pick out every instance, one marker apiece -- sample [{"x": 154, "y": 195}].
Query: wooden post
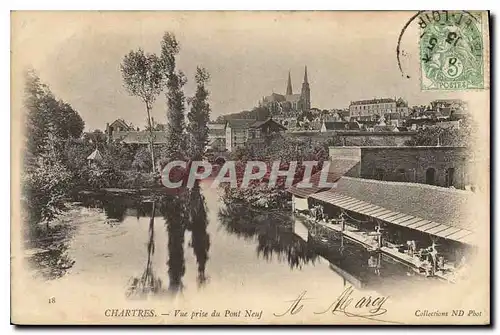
[{"x": 379, "y": 236}]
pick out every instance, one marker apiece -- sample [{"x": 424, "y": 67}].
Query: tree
[
  {"x": 433, "y": 136},
  {"x": 199, "y": 116},
  {"x": 141, "y": 161},
  {"x": 68, "y": 123},
  {"x": 96, "y": 138},
  {"x": 35, "y": 94},
  {"x": 143, "y": 78},
  {"x": 46, "y": 116},
  {"x": 175, "y": 80}
]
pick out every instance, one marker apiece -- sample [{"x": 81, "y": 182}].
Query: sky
[{"x": 349, "y": 56}]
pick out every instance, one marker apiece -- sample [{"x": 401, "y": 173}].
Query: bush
[
  {"x": 45, "y": 189},
  {"x": 100, "y": 177}
]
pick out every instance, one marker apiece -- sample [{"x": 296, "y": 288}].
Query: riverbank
[
  {"x": 46, "y": 250},
  {"x": 258, "y": 197}
]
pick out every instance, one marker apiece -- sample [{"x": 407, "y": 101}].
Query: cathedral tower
[
  {"x": 306, "y": 93},
  {"x": 289, "y": 85}
]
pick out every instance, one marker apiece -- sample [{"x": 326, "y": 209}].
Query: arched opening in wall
[
  {"x": 401, "y": 175},
  {"x": 450, "y": 177},
  {"x": 379, "y": 174},
  {"x": 430, "y": 176}
]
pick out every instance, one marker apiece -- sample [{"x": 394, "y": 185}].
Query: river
[{"x": 193, "y": 247}]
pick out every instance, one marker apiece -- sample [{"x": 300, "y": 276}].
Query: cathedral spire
[
  {"x": 305, "y": 94},
  {"x": 289, "y": 85}
]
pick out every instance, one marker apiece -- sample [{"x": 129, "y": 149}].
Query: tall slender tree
[
  {"x": 175, "y": 80},
  {"x": 199, "y": 116},
  {"x": 143, "y": 77}
]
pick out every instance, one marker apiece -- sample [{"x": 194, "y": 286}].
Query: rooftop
[
  {"x": 338, "y": 168},
  {"x": 240, "y": 123},
  {"x": 141, "y": 137},
  {"x": 443, "y": 205},
  {"x": 372, "y": 101}
]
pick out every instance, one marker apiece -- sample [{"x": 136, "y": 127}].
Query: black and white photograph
[{"x": 250, "y": 167}]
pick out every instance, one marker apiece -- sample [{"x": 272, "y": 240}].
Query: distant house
[
  {"x": 392, "y": 116},
  {"x": 373, "y": 107},
  {"x": 387, "y": 127},
  {"x": 141, "y": 137},
  {"x": 241, "y": 131},
  {"x": 121, "y": 132},
  {"x": 420, "y": 123},
  {"x": 216, "y": 136},
  {"x": 117, "y": 126}
]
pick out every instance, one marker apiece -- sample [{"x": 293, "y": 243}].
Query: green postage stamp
[{"x": 451, "y": 50}]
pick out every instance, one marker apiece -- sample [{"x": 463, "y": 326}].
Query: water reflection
[
  {"x": 365, "y": 269},
  {"x": 273, "y": 231},
  {"x": 173, "y": 219},
  {"x": 148, "y": 283},
  {"x": 200, "y": 239},
  {"x": 175, "y": 211},
  {"x": 181, "y": 212}
]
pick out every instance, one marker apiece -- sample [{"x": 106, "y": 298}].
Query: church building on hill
[{"x": 289, "y": 104}]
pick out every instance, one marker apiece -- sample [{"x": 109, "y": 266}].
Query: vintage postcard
[{"x": 273, "y": 168}]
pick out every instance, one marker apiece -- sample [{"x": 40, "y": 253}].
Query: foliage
[
  {"x": 199, "y": 116},
  {"x": 67, "y": 122},
  {"x": 74, "y": 156},
  {"x": 143, "y": 77},
  {"x": 280, "y": 148},
  {"x": 432, "y": 136},
  {"x": 96, "y": 138},
  {"x": 258, "y": 113},
  {"x": 52, "y": 126},
  {"x": 46, "y": 116},
  {"x": 176, "y": 142},
  {"x": 120, "y": 156},
  {"x": 101, "y": 176},
  {"x": 45, "y": 189},
  {"x": 141, "y": 160},
  {"x": 136, "y": 179}
]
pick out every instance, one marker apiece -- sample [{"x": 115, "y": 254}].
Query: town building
[
  {"x": 444, "y": 166},
  {"x": 375, "y": 108},
  {"x": 114, "y": 129},
  {"x": 240, "y": 132},
  {"x": 373, "y": 188},
  {"x": 120, "y": 131},
  {"x": 408, "y": 211},
  {"x": 216, "y": 136},
  {"x": 289, "y": 104},
  {"x": 290, "y": 122},
  {"x": 448, "y": 107}
]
